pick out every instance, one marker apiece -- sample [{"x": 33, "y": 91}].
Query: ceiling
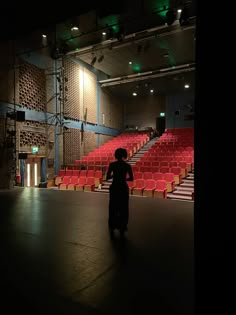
[
  {"x": 162, "y": 60},
  {"x": 162, "y": 54}
]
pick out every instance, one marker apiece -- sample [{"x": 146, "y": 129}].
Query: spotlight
[
  {"x": 93, "y": 61},
  {"x": 100, "y": 59}
]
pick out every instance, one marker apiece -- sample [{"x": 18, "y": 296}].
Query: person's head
[{"x": 120, "y": 154}]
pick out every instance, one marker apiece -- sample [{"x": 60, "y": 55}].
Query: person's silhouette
[{"x": 120, "y": 172}]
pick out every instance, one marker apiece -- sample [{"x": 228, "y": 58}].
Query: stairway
[
  {"x": 136, "y": 157},
  {"x": 184, "y": 191},
  {"x": 104, "y": 188}
]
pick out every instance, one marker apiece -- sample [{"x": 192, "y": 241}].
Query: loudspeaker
[
  {"x": 22, "y": 156},
  {"x": 20, "y": 116}
]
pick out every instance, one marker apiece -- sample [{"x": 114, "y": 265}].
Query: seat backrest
[
  {"x": 161, "y": 184},
  {"x": 83, "y": 173},
  {"x": 69, "y": 172},
  {"x": 147, "y": 175},
  {"x": 150, "y": 184},
  {"x": 139, "y": 183},
  {"x": 66, "y": 179},
  {"x": 138, "y": 175},
  {"x": 90, "y": 180},
  {"x": 98, "y": 174},
  {"x": 90, "y": 173},
  {"x": 82, "y": 180},
  {"x": 74, "y": 179},
  {"x": 158, "y": 175},
  {"x": 176, "y": 170},
  {"x": 61, "y": 173},
  {"x": 75, "y": 173},
  {"x": 169, "y": 177},
  {"x": 164, "y": 169}
]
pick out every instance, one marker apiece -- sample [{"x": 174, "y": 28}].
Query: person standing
[{"x": 119, "y": 172}]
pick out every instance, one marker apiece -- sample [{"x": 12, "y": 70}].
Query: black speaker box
[
  {"x": 22, "y": 156},
  {"x": 20, "y": 115}
]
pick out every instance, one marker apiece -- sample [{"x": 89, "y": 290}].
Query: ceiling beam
[
  {"x": 148, "y": 75},
  {"x": 156, "y": 32}
]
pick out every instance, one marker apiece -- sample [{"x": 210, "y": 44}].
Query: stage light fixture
[
  {"x": 93, "y": 61},
  {"x": 100, "y": 59}
]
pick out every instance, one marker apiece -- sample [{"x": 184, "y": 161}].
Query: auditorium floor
[{"x": 57, "y": 257}]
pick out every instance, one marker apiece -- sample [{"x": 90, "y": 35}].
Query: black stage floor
[{"x": 57, "y": 256}]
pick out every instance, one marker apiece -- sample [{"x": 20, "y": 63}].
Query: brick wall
[
  {"x": 89, "y": 142},
  {"x": 32, "y": 87},
  {"x": 111, "y": 109},
  {"x": 72, "y": 146}
]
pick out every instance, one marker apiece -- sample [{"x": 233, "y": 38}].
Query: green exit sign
[
  {"x": 35, "y": 150},
  {"x": 162, "y": 114}
]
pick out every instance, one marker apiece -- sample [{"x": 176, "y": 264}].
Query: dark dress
[{"x": 119, "y": 194}]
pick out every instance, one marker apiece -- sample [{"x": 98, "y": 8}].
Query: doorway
[
  {"x": 160, "y": 125},
  {"x": 32, "y": 172}
]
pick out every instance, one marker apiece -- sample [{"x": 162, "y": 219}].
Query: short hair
[{"x": 121, "y": 153}]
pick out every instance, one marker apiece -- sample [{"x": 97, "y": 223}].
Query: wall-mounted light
[{"x": 74, "y": 28}]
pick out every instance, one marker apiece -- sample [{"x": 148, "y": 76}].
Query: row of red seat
[
  {"x": 149, "y": 188},
  {"x": 79, "y": 183}
]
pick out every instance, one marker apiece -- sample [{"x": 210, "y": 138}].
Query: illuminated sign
[{"x": 35, "y": 150}]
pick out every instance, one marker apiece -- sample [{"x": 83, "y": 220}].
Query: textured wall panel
[
  {"x": 104, "y": 139},
  {"x": 112, "y": 109},
  {"x": 90, "y": 99},
  {"x": 72, "y": 105},
  {"x": 72, "y": 146},
  {"x": 89, "y": 142},
  {"x": 31, "y": 133},
  {"x": 32, "y": 87}
]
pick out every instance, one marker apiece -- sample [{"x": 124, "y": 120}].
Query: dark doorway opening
[{"x": 160, "y": 125}]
